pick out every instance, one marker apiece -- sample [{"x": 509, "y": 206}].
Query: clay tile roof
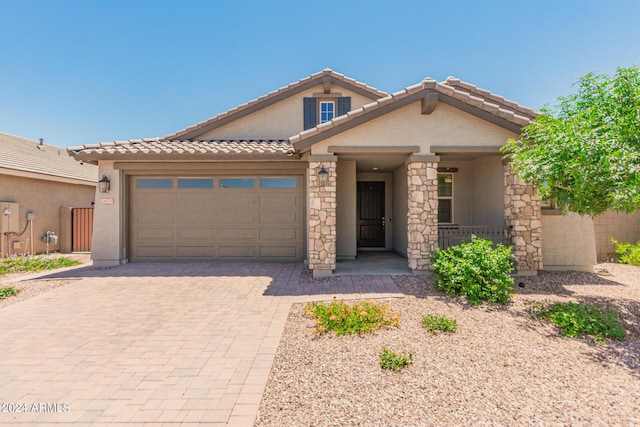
[
  {"x": 164, "y": 147},
  {"x": 265, "y": 100},
  {"x": 21, "y": 154},
  {"x": 452, "y": 87}
]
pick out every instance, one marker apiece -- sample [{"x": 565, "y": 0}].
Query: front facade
[{"x": 321, "y": 169}]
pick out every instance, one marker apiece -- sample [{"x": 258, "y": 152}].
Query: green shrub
[
  {"x": 434, "y": 323},
  {"x": 363, "y": 317},
  {"x": 476, "y": 270},
  {"x": 16, "y": 264},
  {"x": 8, "y": 292},
  {"x": 395, "y": 361},
  {"x": 627, "y": 253},
  {"x": 574, "y": 319}
]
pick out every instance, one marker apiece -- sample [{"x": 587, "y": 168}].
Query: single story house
[
  {"x": 324, "y": 167},
  {"x": 43, "y": 190}
]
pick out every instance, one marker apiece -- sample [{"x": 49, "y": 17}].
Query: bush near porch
[{"x": 476, "y": 270}]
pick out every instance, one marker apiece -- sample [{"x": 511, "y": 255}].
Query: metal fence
[{"x": 451, "y": 235}]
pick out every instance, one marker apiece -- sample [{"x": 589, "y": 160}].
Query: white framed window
[
  {"x": 327, "y": 111},
  {"x": 445, "y": 198}
]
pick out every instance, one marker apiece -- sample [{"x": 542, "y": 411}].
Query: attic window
[{"x": 327, "y": 111}]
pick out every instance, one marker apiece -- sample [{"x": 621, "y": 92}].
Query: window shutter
[
  {"x": 344, "y": 105},
  {"x": 310, "y": 112}
]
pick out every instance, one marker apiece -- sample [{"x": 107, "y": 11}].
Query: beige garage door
[{"x": 218, "y": 217}]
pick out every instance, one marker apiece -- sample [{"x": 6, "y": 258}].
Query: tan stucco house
[
  {"x": 326, "y": 166},
  {"x": 42, "y": 190}
]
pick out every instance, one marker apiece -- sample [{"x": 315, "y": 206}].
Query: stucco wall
[
  {"x": 44, "y": 198},
  {"x": 400, "y": 206},
  {"x": 346, "y": 244},
  {"x": 462, "y": 191},
  {"x": 407, "y": 126},
  {"x": 623, "y": 227},
  {"x": 568, "y": 242},
  {"x": 280, "y": 120},
  {"x": 108, "y": 220},
  {"x": 488, "y": 191}
]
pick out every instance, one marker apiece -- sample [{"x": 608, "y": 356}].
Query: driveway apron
[{"x": 149, "y": 344}]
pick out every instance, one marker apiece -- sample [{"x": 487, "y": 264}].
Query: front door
[{"x": 370, "y": 214}]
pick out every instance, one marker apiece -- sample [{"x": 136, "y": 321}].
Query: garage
[{"x": 249, "y": 218}]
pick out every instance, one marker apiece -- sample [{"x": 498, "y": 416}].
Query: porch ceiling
[{"x": 375, "y": 162}]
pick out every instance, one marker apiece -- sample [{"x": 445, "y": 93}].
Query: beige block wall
[
  {"x": 568, "y": 242},
  {"x": 280, "y": 120},
  {"x": 407, "y": 126},
  {"x": 108, "y": 221},
  {"x": 346, "y": 244},
  {"x": 44, "y": 198},
  {"x": 400, "y": 206},
  {"x": 623, "y": 227}
]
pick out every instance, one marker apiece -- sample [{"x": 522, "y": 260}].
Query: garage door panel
[
  {"x": 278, "y": 234},
  {"x": 278, "y": 201},
  {"x": 278, "y": 251},
  {"x": 154, "y": 234},
  {"x": 239, "y": 217},
  {"x": 195, "y": 233},
  {"x": 195, "y": 251},
  {"x": 237, "y": 233},
  {"x": 155, "y": 251},
  {"x": 191, "y": 218},
  {"x": 237, "y": 252},
  {"x": 179, "y": 223}
]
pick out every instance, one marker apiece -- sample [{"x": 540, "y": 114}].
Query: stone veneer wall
[
  {"x": 523, "y": 215},
  {"x": 322, "y": 219},
  {"x": 422, "y": 213}
]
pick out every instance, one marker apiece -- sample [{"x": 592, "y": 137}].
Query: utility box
[{"x": 9, "y": 217}]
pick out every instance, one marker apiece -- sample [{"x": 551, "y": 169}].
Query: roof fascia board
[
  {"x": 358, "y": 120},
  {"x": 44, "y": 177},
  {"x": 498, "y": 121},
  {"x": 465, "y": 149},
  {"x": 174, "y": 167},
  {"x": 370, "y": 149}
]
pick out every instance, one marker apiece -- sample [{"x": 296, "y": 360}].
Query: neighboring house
[
  {"x": 39, "y": 186},
  {"x": 326, "y": 166}
]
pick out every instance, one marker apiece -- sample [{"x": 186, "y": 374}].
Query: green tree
[{"x": 584, "y": 153}]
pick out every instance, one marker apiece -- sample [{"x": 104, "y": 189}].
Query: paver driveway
[{"x": 152, "y": 343}]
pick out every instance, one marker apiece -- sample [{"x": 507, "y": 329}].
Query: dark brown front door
[{"x": 370, "y": 214}]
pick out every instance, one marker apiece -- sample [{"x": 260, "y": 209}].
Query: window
[
  {"x": 278, "y": 182},
  {"x": 237, "y": 182},
  {"x": 327, "y": 111},
  {"x": 445, "y": 198},
  {"x": 195, "y": 182},
  {"x": 329, "y": 108},
  {"x": 154, "y": 183}
]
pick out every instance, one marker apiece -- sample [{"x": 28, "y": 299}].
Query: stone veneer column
[
  {"x": 322, "y": 219},
  {"x": 422, "y": 213},
  {"x": 523, "y": 217}
]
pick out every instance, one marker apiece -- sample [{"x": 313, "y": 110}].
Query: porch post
[
  {"x": 523, "y": 218},
  {"x": 322, "y": 216},
  {"x": 422, "y": 212}
]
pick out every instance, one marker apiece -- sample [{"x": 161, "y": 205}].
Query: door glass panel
[
  {"x": 237, "y": 182},
  {"x": 278, "y": 182},
  {"x": 195, "y": 182},
  {"x": 154, "y": 183}
]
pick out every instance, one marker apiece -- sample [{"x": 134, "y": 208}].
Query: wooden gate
[{"x": 81, "y": 229}]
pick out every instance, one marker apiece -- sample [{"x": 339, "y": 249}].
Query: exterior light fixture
[
  {"x": 323, "y": 176},
  {"x": 104, "y": 185}
]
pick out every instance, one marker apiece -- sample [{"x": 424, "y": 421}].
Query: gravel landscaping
[{"x": 500, "y": 367}]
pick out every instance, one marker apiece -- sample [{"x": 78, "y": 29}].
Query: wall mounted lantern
[
  {"x": 104, "y": 185},
  {"x": 323, "y": 176}
]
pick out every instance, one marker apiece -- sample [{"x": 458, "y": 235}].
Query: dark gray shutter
[
  {"x": 344, "y": 105},
  {"x": 310, "y": 112}
]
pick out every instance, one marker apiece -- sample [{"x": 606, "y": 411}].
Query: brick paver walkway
[{"x": 150, "y": 344}]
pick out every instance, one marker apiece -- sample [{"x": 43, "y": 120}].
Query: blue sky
[{"x": 80, "y": 72}]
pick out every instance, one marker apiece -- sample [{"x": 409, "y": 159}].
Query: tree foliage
[{"x": 584, "y": 154}]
